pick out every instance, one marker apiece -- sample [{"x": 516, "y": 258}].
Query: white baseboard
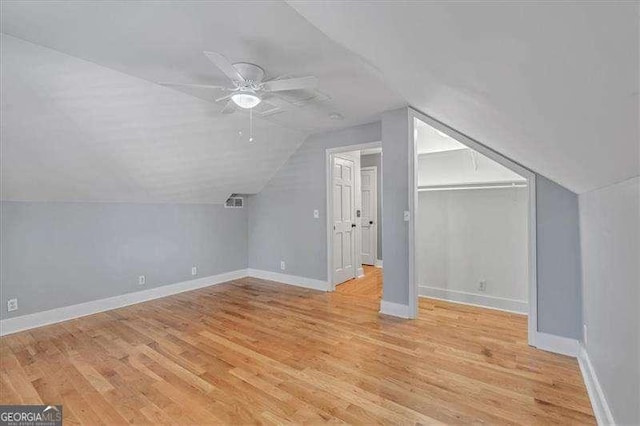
[
  {"x": 557, "y": 344},
  {"x": 394, "y": 309},
  {"x": 378, "y": 263},
  {"x": 596, "y": 395},
  {"x": 289, "y": 279},
  {"x": 503, "y": 304},
  {"x": 39, "y": 319},
  {"x": 65, "y": 313}
]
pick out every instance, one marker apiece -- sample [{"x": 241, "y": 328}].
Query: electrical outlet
[
  {"x": 12, "y": 305},
  {"x": 282, "y": 265},
  {"x": 194, "y": 270},
  {"x": 316, "y": 214},
  {"x": 142, "y": 280},
  {"x": 482, "y": 286}
]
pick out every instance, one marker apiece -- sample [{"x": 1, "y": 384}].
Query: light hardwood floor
[
  {"x": 368, "y": 287},
  {"x": 254, "y": 351}
]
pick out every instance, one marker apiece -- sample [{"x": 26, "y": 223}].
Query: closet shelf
[{"x": 489, "y": 185}]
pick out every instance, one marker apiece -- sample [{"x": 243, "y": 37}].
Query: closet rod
[{"x": 473, "y": 186}]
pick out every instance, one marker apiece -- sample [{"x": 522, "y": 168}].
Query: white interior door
[
  {"x": 369, "y": 185},
  {"x": 344, "y": 222}
]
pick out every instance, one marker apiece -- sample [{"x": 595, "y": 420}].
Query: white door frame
[
  {"x": 328, "y": 155},
  {"x": 375, "y": 212},
  {"x": 413, "y": 208}
]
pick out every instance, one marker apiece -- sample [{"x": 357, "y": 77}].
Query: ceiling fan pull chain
[{"x": 251, "y": 125}]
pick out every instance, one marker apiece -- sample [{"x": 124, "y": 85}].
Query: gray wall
[
  {"x": 281, "y": 222},
  {"x": 370, "y": 160},
  {"x": 395, "y": 193},
  {"x": 558, "y": 256},
  {"x": 56, "y": 254},
  {"x": 465, "y": 236},
  {"x": 282, "y": 227},
  {"x": 610, "y": 234},
  {"x": 60, "y": 254}
]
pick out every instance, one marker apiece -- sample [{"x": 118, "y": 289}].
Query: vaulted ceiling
[
  {"x": 84, "y": 118},
  {"x": 552, "y": 85}
]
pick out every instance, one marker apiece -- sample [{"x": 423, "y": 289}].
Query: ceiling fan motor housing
[{"x": 252, "y": 73}]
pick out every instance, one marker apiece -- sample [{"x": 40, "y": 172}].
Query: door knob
[
  {"x": 370, "y": 222},
  {"x": 353, "y": 225}
]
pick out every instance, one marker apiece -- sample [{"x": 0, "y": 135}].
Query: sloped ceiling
[
  {"x": 76, "y": 131},
  {"x": 552, "y": 85},
  {"x": 83, "y": 118},
  {"x": 430, "y": 140}
]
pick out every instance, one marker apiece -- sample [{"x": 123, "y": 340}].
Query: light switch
[
  {"x": 316, "y": 214},
  {"x": 407, "y": 215}
]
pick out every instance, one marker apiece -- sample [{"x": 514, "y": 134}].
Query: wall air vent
[{"x": 234, "y": 202}]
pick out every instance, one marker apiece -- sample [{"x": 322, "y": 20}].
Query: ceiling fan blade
[
  {"x": 308, "y": 82},
  {"x": 224, "y": 97},
  {"x": 277, "y": 105},
  {"x": 228, "y": 108},
  {"x": 224, "y": 65},
  {"x": 194, "y": 85}
]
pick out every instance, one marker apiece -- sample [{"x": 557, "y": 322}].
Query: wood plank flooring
[
  {"x": 368, "y": 287},
  {"x": 254, "y": 351}
]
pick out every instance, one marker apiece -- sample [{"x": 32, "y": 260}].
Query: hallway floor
[{"x": 368, "y": 287}]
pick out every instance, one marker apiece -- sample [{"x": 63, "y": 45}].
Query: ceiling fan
[{"x": 248, "y": 88}]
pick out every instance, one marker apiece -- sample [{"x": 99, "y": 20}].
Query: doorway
[
  {"x": 369, "y": 191},
  {"x": 473, "y": 237},
  {"x": 353, "y": 176}
]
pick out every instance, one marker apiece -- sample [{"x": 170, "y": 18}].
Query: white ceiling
[
  {"x": 430, "y": 140},
  {"x": 84, "y": 120},
  {"x": 552, "y": 85},
  {"x": 462, "y": 166},
  {"x": 75, "y": 131},
  {"x": 445, "y": 161},
  {"x": 163, "y": 41}
]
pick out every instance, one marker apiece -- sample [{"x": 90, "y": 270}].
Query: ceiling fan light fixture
[{"x": 246, "y": 99}]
